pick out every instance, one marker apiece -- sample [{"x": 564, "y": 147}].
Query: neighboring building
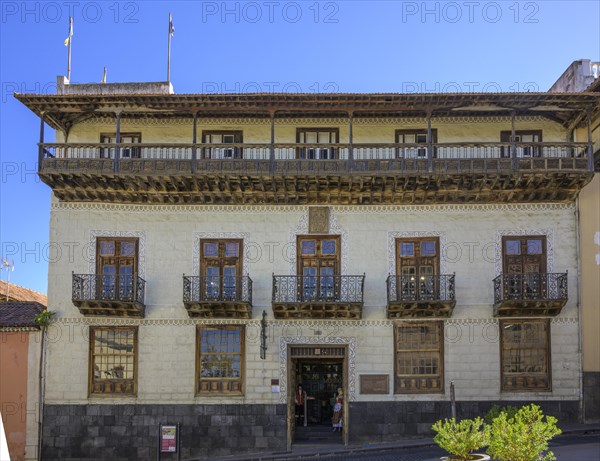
[
  {"x": 584, "y": 75},
  {"x": 20, "y": 349},
  {"x": 397, "y": 243}
]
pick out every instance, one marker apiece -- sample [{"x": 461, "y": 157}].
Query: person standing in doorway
[
  {"x": 336, "y": 419},
  {"x": 299, "y": 399}
]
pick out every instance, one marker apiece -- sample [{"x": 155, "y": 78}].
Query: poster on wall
[{"x": 168, "y": 438}]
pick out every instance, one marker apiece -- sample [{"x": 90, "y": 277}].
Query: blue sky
[{"x": 308, "y": 46}]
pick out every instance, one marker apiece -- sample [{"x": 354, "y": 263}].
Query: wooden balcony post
[
  {"x": 117, "y": 142},
  {"x": 513, "y": 141},
  {"x": 350, "y": 141},
  {"x": 41, "y": 147},
  {"x": 194, "y": 141},
  {"x": 272, "y": 146},
  {"x": 590, "y": 148},
  {"x": 429, "y": 142}
]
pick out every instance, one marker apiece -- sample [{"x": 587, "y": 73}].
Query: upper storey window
[
  {"x": 126, "y": 151},
  {"x": 228, "y": 138},
  {"x": 318, "y": 138},
  {"x": 416, "y": 143}
]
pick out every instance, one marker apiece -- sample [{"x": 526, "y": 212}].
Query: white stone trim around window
[
  {"x": 549, "y": 233},
  {"x": 244, "y": 236},
  {"x": 141, "y": 236},
  {"x": 392, "y": 236}
]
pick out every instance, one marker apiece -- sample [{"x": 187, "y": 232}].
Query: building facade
[{"x": 225, "y": 248}]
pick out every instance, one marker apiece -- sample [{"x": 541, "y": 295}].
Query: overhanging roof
[{"x": 63, "y": 111}]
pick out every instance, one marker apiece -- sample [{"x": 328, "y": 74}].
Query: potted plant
[
  {"x": 523, "y": 437},
  {"x": 461, "y": 438}
]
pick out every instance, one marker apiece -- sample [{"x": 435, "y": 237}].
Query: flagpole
[
  {"x": 69, "y": 47},
  {"x": 169, "y": 50}
]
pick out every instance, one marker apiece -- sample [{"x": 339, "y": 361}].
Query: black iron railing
[
  {"x": 326, "y": 288},
  {"x": 108, "y": 288},
  {"x": 530, "y": 286},
  {"x": 217, "y": 289},
  {"x": 420, "y": 288}
]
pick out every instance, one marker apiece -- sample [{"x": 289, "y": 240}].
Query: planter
[{"x": 473, "y": 457}]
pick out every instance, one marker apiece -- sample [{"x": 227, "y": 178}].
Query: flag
[
  {"x": 171, "y": 26},
  {"x": 68, "y": 39}
]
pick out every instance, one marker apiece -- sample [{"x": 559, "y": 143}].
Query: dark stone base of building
[
  {"x": 130, "y": 432},
  {"x": 591, "y": 396},
  {"x": 385, "y": 421}
]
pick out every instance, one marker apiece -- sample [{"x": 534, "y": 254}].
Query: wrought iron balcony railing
[
  {"x": 211, "y": 289},
  {"x": 530, "y": 287},
  {"x": 98, "y": 291},
  {"x": 420, "y": 288},
  {"x": 334, "y": 289}
]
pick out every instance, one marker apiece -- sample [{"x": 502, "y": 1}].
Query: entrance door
[{"x": 320, "y": 379}]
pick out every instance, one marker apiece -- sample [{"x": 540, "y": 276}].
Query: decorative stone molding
[
  {"x": 343, "y": 341},
  {"x": 141, "y": 236},
  {"x": 361, "y": 209},
  {"x": 392, "y": 236},
  {"x": 245, "y": 236},
  {"x": 549, "y": 233},
  {"x": 302, "y": 229}
]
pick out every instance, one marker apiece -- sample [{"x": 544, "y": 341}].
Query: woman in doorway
[
  {"x": 299, "y": 398},
  {"x": 336, "y": 419}
]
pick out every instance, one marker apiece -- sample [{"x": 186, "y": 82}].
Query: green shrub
[
  {"x": 461, "y": 438},
  {"x": 523, "y": 437},
  {"x": 495, "y": 412}
]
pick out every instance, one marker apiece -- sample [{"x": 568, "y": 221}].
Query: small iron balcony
[
  {"x": 420, "y": 296},
  {"x": 218, "y": 297},
  {"x": 109, "y": 295}
]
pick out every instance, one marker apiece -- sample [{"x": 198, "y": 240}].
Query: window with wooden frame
[
  {"x": 418, "y": 267},
  {"x": 419, "y": 357},
  {"x": 525, "y": 355},
  {"x": 116, "y": 268},
  {"x": 126, "y": 150},
  {"x": 417, "y": 143},
  {"x": 228, "y": 151},
  {"x": 220, "y": 359},
  {"x": 320, "y": 137},
  {"x": 220, "y": 269},
  {"x": 524, "y": 266},
  {"x": 113, "y": 361},
  {"x": 318, "y": 267},
  {"x": 522, "y": 136}
]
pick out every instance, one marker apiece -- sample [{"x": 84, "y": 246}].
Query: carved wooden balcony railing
[
  {"x": 530, "y": 294},
  {"x": 316, "y": 173},
  {"x": 420, "y": 296},
  {"x": 218, "y": 297},
  {"x": 109, "y": 295},
  {"x": 318, "y": 297}
]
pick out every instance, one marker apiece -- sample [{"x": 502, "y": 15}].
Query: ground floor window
[
  {"x": 220, "y": 359},
  {"x": 113, "y": 360},
  {"x": 525, "y": 355},
  {"x": 418, "y": 357}
]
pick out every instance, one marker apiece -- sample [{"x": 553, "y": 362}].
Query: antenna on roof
[
  {"x": 104, "y": 76},
  {"x": 10, "y": 267}
]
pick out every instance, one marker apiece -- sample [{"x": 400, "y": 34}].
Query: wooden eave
[{"x": 62, "y": 111}]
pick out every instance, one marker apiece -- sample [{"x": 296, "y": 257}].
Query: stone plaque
[
  {"x": 318, "y": 220},
  {"x": 374, "y": 384}
]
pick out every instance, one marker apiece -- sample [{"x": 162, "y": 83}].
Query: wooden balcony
[
  {"x": 531, "y": 294},
  {"x": 316, "y": 173},
  {"x": 217, "y": 298},
  {"x": 320, "y": 297},
  {"x": 109, "y": 295},
  {"x": 423, "y": 296}
]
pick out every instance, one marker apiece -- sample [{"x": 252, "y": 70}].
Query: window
[
  {"x": 318, "y": 267},
  {"x": 116, "y": 268},
  {"x": 319, "y": 138},
  {"x": 113, "y": 360},
  {"x": 525, "y": 355},
  {"x": 524, "y": 266},
  {"x": 229, "y": 138},
  {"x": 417, "y": 268},
  {"x": 528, "y": 136},
  {"x": 417, "y": 143},
  {"x": 126, "y": 151},
  {"x": 419, "y": 357},
  {"x": 220, "y": 360},
  {"x": 221, "y": 269}
]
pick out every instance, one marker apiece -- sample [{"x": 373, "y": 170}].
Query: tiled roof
[
  {"x": 18, "y": 293},
  {"x": 19, "y": 314}
]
